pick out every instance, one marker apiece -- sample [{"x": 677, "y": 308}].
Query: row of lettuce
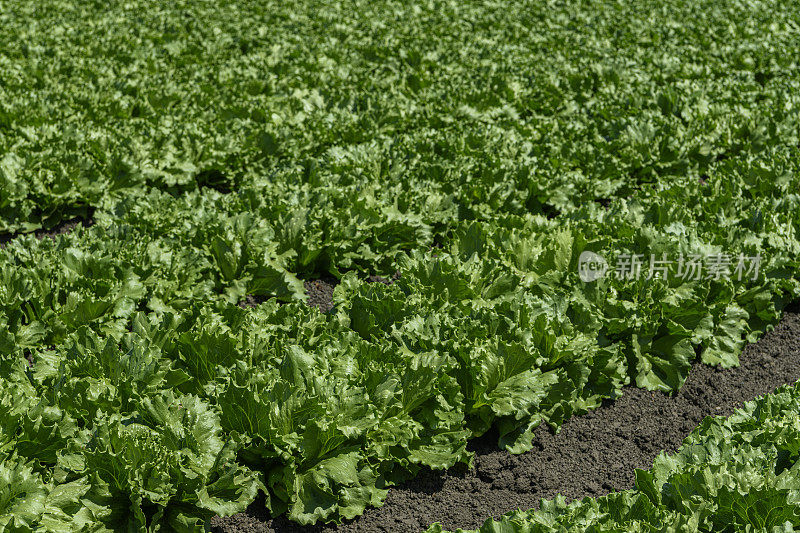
[
  {"x": 139, "y": 396},
  {"x": 478, "y": 108},
  {"x": 740, "y": 473}
]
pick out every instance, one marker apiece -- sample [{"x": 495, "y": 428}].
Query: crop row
[{"x": 478, "y": 108}]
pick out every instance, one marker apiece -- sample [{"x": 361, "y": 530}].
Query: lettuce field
[{"x": 286, "y": 266}]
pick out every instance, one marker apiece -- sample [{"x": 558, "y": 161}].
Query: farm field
[{"x": 351, "y": 266}]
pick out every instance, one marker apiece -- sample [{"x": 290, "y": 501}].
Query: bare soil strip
[
  {"x": 60, "y": 229},
  {"x": 592, "y": 455}
]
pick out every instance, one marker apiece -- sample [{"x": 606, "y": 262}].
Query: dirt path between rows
[
  {"x": 61, "y": 228},
  {"x": 592, "y": 455}
]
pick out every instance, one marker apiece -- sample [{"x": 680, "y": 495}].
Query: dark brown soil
[
  {"x": 385, "y": 281},
  {"x": 64, "y": 228},
  {"x": 251, "y": 301},
  {"x": 61, "y": 229},
  {"x": 592, "y": 455},
  {"x": 320, "y": 293}
]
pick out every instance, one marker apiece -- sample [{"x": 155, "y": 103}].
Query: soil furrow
[{"x": 62, "y": 228}]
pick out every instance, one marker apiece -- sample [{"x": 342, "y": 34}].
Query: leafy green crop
[
  {"x": 445, "y": 109},
  {"x": 739, "y": 473},
  {"x": 233, "y": 149},
  {"x": 326, "y": 411}
]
